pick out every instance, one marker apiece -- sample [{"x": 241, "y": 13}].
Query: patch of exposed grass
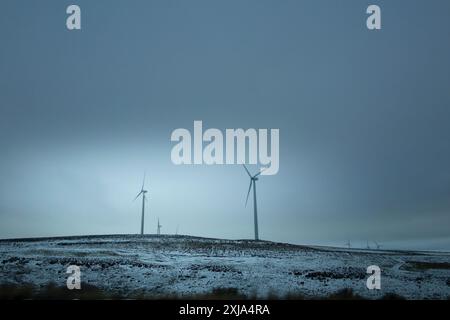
[
  {"x": 89, "y": 292},
  {"x": 221, "y": 294},
  {"x": 52, "y": 292},
  {"x": 14, "y": 292},
  {"x": 422, "y": 266},
  {"x": 392, "y": 296},
  {"x": 345, "y": 294}
]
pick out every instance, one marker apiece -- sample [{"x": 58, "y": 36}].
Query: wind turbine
[
  {"x": 348, "y": 244},
  {"x": 143, "y": 192},
  {"x": 253, "y": 180},
  {"x": 367, "y": 247},
  {"x": 159, "y": 228},
  {"x": 377, "y": 244}
]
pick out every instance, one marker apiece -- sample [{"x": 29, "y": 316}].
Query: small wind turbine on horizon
[
  {"x": 253, "y": 180},
  {"x": 377, "y": 245},
  {"x": 158, "y": 231},
  {"x": 348, "y": 244},
  {"x": 142, "y": 192}
]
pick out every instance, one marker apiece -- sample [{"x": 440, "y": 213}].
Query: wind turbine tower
[
  {"x": 253, "y": 180},
  {"x": 142, "y": 192},
  {"x": 159, "y": 228}
]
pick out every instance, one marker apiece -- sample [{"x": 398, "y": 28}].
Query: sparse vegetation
[
  {"x": 392, "y": 296},
  {"x": 89, "y": 292},
  {"x": 342, "y": 273},
  {"x": 422, "y": 266},
  {"x": 345, "y": 294},
  {"x": 52, "y": 292}
]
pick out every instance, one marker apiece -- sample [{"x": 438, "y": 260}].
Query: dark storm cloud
[{"x": 363, "y": 117}]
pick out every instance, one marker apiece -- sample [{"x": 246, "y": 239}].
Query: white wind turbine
[
  {"x": 143, "y": 192},
  {"x": 253, "y": 180}
]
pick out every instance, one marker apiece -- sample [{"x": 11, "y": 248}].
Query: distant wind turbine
[
  {"x": 377, "y": 245},
  {"x": 367, "y": 247},
  {"x": 159, "y": 228},
  {"x": 253, "y": 180},
  {"x": 143, "y": 192},
  {"x": 348, "y": 244}
]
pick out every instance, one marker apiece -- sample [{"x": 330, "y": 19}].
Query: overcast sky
[{"x": 363, "y": 118}]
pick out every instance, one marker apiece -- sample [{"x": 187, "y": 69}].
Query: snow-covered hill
[{"x": 161, "y": 266}]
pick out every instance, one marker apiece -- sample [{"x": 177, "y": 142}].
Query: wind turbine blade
[
  {"x": 248, "y": 172},
  {"x": 248, "y": 193},
  {"x": 143, "y": 182},
  {"x": 137, "y": 196}
]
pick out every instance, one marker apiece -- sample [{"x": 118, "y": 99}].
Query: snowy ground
[{"x": 186, "y": 266}]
